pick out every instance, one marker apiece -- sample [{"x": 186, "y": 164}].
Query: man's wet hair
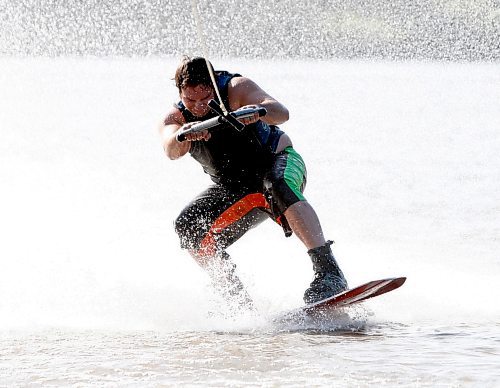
[{"x": 192, "y": 72}]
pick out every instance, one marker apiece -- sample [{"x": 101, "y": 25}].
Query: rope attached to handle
[{"x": 203, "y": 44}]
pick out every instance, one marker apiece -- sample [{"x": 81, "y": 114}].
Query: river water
[{"x": 403, "y": 169}]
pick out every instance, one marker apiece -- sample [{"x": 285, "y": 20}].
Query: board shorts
[{"x": 220, "y": 215}]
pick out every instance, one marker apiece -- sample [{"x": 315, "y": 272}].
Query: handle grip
[
  {"x": 244, "y": 113},
  {"x": 181, "y": 136},
  {"x": 232, "y": 120}
]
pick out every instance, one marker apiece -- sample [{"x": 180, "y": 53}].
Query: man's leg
[
  {"x": 305, "y": 224},
  {"x": 209, "y": 224},
  {"x": 287, "y": 181}
]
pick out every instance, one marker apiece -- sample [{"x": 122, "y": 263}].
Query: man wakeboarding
[{"x": 256, "y": 173}]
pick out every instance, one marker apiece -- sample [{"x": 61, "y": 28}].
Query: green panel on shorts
[{"x": 295, "y": 171}]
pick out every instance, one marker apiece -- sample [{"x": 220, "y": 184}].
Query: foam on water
[{"x": 403, "y": 170}]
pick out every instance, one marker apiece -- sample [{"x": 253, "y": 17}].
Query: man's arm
[
  {"x": 168, "y": 128},
  {"x": 244, "y": 92}
]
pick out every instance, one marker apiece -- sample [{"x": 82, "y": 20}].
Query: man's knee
[
  {"x": 283, "y": 192},
  {"x": 287, "y": 179}
]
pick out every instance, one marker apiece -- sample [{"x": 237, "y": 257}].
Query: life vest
[{"x": 233, "y": 157}]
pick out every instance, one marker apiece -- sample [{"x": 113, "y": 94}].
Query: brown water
[{"x": 388, "y": 354}]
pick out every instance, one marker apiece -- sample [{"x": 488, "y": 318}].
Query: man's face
[{"x": 196, "y": 99}]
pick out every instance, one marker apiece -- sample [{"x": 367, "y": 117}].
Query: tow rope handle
[{"x": 231, "y": 118}]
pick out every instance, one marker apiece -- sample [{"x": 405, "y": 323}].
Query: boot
[
  {"x": 328, "y": 278},
  {"x": 228, "y": 284}
]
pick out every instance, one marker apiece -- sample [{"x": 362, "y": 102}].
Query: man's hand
[{"x": 195, "y": 136}]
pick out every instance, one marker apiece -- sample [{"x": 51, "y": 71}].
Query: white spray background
[{"x": 403, "y": 162}]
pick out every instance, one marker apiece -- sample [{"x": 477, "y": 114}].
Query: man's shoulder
[
  {"x": 239, "y": 85},
  {"x": 174, "y": 115},
  {"x": 242, "y": 85},
  {"x": 241, "y": 81}
]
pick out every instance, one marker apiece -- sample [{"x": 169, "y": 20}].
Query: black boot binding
[{"x": 328, "y": 278}]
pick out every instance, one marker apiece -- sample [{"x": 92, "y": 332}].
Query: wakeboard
[{"x": 347, "y": 298}]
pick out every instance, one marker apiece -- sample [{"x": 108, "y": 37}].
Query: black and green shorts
[{"x": 220, "y": 215}]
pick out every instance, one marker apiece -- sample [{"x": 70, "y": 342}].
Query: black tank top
[{"x": 231, "y": 157}]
